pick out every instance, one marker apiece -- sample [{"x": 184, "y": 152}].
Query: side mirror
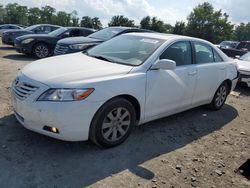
[{"x": 165, "y": 64}]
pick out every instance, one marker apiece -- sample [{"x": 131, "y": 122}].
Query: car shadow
[
  {"x": 19, "y": 57},
  {"x": 43, "y": 161},
  {"x": 7, "y": 48}
]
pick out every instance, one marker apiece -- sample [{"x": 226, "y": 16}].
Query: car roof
[
  {"x": 164, "y": 36},
  {"x": 85, "y": 28}
]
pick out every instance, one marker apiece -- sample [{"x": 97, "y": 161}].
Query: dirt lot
[{"x": 197, "y": 148}]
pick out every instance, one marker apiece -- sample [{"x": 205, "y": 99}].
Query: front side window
[
  {"x": 126, "y": 49},
  {"x": 179, "y": 52},
  {"x": 204, "y": 53}
]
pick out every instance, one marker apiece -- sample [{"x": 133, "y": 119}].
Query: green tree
[
  {"x": 34, "y": 16},
  {"x": 121, "y": 20},
  {"x": 75, "y": 19},
  {"x": 204, "y": 22},
  {"x": 242, "y": 32},
  {"x": 62, "y": 18},
  {"x": 2, "y": 14},
  {"x": 86, "y": 22},
  {"x": 96, "y": 23},
  {"x": 179, "y": 28},
  {"x": 155, "y": 25},
  {"x": 48, "y": 14},
  {"x": 11, "y": 13}
]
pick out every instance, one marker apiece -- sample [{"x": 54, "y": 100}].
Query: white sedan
[
  {"x": 129, "y": 80},
  {"x": 244, "y": 69}
]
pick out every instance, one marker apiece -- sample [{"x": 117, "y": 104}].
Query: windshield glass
[
  {"x": 245, "y": 57},
  {"x": 30, "y": 28},
  {"x": 58, "y": 32},
  {"x": 106, "y": 34},
  {"x": 126, "y": 49}
]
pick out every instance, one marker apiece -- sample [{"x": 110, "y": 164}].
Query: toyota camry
[{"x": 132, "y": 79}]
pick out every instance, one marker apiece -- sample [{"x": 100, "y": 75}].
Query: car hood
[
  {"x": 243, "y": 65},
  {"x": 78, "y": 40},
  {"x": 68, "y": 70},
  {"x": 35, "y": 36}
]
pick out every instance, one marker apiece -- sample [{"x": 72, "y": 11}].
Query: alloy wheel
[
  {"x": 116, "y": 124},
  {"x": 41, "y": 51},
  {"x": 221, "y": 96}
]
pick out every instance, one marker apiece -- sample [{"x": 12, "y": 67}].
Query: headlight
[
  {"x": 80, "y": 46},
  {"x": 65, "y": 94},
  {"x": 26, "y": 41}
]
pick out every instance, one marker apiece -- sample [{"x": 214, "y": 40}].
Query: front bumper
[
  {"x": 245, "y": 78},
  {"x": 22, "y": 48},
  {"x": 72, "y": 119},
  {"x": 7, "y": 39}
]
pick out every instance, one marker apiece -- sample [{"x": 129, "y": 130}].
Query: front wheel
[
  {"x": 220, "y": 97},
  {"x": 113, "y": 123},
  {"x": 41, "y": 51}
]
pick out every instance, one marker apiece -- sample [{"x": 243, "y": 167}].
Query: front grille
[
  {"x": 23, "y": 90},
  {"x": 61, "y": 49}
]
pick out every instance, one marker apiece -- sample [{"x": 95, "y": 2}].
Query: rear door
[{"x": 211, "y": 72}]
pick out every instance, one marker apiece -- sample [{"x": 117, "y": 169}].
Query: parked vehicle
[
  {"x": 42, "y": 45},
  {"x": 242, "y": 48},
  {"x": 228, "y": 44},
  {"x": 8, "y": 37},
  {"x": 77, "y": 44},
  {"x": 244, "y": 69},
  {"x": 6, "y": 27},
  {"x": 126, "y": 81}
]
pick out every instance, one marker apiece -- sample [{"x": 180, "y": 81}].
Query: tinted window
[
  {"x": 179, "y": 52},
  {"x": 74, "y": 33},
  {"x": 204, "y": 53}
]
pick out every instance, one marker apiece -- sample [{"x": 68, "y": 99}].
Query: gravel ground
[{"x": 196, "y": 148}]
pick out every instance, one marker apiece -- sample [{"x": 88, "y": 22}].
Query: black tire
[
  {"x": 41, "y": 50},
  {"x": 98, "y": 130},
  {"x": 220, "y": 97}
]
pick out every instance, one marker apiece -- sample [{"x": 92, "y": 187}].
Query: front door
[{"x": 169, "y": 91}]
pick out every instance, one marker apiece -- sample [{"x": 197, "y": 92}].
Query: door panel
[
  {"x": 210, "y": 73},
  {"x": 168, "y": 91}
]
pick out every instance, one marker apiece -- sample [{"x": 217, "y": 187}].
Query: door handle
[
  {"x": 192, "y": 73},
  {"x": 223, "y": 68}
]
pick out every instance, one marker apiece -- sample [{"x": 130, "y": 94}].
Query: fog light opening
[{"x": 51, "y": 129}]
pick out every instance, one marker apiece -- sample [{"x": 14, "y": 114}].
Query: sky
[{"x": 169, "y": 11}]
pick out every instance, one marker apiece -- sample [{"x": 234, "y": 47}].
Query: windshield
[
  {"x": 245, "y": 57},
  {"x": 126, "y": 49},
  {"x": 106, "y": 34},
  {"x": 58, "y": 32},
  {"x": 30, "y": 28}
]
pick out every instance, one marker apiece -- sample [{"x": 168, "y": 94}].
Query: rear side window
[
  {"x": 204, "y": 53},
  {"x": 217, "y": 57},
  {"x": 180, "y": 52}
]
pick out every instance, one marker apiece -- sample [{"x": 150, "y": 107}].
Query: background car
[
  {"x": 242, "y": 48},
  {"x": 42, "y": 45},
  {"x": 244, "y": 69},
  {"x": 228, "y": 44},
  {"x": 8, "y": 37},
  {"x": 129, "y": 80},
  {"x": 6, "y": 27},
  {"x": 78, "y": 44}
]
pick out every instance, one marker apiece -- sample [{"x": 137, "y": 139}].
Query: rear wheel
[
  {"x": 113, "y": 123},
  {"x": 41, "y": 50},
  {"x": 220, "y": 97}
]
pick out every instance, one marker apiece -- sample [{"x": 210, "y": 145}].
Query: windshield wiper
[{"x": 102, "y": 58}]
